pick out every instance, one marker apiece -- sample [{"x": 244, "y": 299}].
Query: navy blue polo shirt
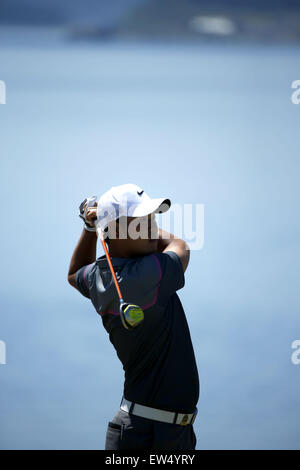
[{"x": 157, "y": 356}]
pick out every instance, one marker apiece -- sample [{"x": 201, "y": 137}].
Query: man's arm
[
  {"x": 84, "y": 253},
  {"x": 168, "y": 242}
]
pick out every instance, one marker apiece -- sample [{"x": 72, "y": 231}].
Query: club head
[{"x": 131, "y": 315}]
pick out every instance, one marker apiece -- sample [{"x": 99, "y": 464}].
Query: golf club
[{"x": 131, "y": 315}]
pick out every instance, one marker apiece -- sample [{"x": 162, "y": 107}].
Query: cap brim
[{"x": 157, "y": 206}]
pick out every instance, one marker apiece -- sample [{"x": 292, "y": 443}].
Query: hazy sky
[{"x": 211, "y": 125}]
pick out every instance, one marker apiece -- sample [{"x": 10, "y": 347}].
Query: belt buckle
[{"x": 184, "y": 420}]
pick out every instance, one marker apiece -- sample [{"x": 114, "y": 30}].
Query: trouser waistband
[{"x": 156, "y": 414}]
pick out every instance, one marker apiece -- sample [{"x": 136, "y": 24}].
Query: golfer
[{"x": 161, "y": 386}]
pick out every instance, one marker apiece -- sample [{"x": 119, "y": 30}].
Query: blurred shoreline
[
  {"x": 163, "y": 21},
  {"x": 215, "y": 20},
  {"x": 51, "y": 36}
]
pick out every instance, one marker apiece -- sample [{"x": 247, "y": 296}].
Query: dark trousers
[{"x": 128, "y": 431}]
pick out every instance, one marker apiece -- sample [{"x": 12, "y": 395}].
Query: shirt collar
[{"x": 103, "y": 263}]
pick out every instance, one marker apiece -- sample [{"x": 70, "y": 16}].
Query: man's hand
[
  {"x": 88, "y": 212},
  {"x": 91, "y": 215},
  {"x": 86, "y": 249}
]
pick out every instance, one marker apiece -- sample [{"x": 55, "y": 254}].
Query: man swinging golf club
[{"x": 133, "y": 288}]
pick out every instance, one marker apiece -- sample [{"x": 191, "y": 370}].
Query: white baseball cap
[{"x": 127, "y": 200}]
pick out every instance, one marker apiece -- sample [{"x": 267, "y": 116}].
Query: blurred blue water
[{"x": 207, "y": 124}]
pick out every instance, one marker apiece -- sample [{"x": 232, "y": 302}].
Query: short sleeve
[
  {"x": 81, "y": 280},
  {"x": 153, "y": 278},
  {"x": 156, "y": 278},
  {"x": 171, "y": 272}
]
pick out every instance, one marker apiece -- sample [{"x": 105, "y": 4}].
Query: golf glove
[{"x": 82, "y": 212}]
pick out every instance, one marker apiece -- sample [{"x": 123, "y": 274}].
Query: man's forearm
[
  {"x": 85, "y": 251},
  {"x": 165, "y": 239}
]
